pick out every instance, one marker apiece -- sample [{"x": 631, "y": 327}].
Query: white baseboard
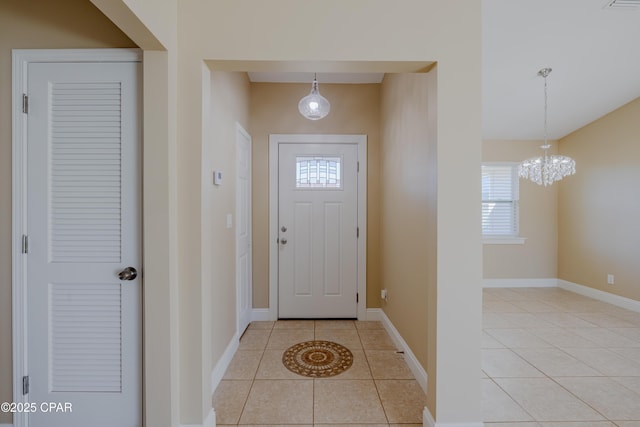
[
  {"x": 417, "y": 369},
  {"x": 617, "y": 300},
  {"x": 427, "y": 421},
  {"x": 374, "y": 314},
  {"x": 260, "y": 314},
  {"x": 6, "y": 425},
  {"x": 221, "y": 367},
  {"x": 412, "y": 362},
  {"x": 519, "y": 283},
  {"x": 210, "y": 421}
]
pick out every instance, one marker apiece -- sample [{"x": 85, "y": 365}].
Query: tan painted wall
[
  {"x": 230, "y": 104},
  {"x": 408, "y": 207},
  {"x": 151, "y": 23},
  {"x": 355, "y": 109},
  {"x": 418, "y": 31},
  {"x": 599, "y": 206},
  {"x": 225, "y": 35},
  {"x": 35, "y": 24},
  {"x": 537, "y": 257},
  {"x": 207, "y": 295}
]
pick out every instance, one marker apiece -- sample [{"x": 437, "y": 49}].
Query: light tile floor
[
  {"x": 378, "y": 390},
  {"x": 553, "y": 358},
  {"x": 550, "y": 358}
]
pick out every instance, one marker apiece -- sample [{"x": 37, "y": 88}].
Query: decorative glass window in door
[{"x": 319, "y": 172}]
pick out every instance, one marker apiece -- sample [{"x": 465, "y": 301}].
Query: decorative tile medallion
[{"x": 317, "y": 359}]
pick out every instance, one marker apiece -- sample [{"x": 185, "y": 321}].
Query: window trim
[{"x": 494, "y": 240}]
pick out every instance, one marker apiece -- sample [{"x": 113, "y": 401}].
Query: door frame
[
  {"x": 21, "y": 60},
  {"x": 274, "y": 142},
  {"x": 242, "y": 133}
]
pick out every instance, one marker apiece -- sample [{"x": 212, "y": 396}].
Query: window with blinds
[{"x": 500, "y": 200}]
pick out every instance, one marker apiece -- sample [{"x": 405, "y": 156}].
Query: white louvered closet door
[{"x": 83, "y": 220}]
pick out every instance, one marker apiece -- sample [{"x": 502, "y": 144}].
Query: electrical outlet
[
  {"x": 383, "y": 294},
  {"x": 610, "y": 279}
]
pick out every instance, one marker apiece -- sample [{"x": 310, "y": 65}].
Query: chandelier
[
  {"x": 314, "y": 106},
  {"x": 546, "y": 169}
]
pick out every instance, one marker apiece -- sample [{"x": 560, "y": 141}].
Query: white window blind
[{"x": 500, "y": 200}]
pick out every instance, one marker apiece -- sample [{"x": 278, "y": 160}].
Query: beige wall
[
  {"x": 419, "y": 31},
  {"x": 537, "y": 257},
  {"x": 599, "y": 206},
  {"x": 151, "y": 23},
  {"x": 408, "y": 207},
  {"x": 355, "y": 109},
  {"x": 207, "y": 289},
  {"x": 229, "y": 105},
  {"x": 29, "y": 25},
  {"x": 223, "y": 34}
]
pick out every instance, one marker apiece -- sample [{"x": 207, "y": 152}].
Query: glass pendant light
[
  {"x": 546, "y": 169},
  {"x": 314, "y": 106}
]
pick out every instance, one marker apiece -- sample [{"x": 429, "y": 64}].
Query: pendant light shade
[
  {"x": 314, "y": 106},
  {"x": 548, "y": 168}
]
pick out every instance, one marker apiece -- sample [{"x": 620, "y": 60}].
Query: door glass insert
[{"x": 324, "y": 172}]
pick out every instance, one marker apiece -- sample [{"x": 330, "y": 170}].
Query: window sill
[{"x": 503, "y": 240}]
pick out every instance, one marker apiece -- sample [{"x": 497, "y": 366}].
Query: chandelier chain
[{"x": 546, "y": 97}]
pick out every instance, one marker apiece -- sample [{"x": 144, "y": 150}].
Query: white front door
[
  {"x": 317, "y": 228},
  {"x": 84, "y": 225},
  {"x": 243, "y": 228}
]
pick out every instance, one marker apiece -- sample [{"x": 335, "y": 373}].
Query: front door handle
[{"x": 128, "y": 273}]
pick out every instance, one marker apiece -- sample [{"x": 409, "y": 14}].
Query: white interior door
[
  {"x": 84, "y": 226},
  {"x": 318, "y": 226},
  {"x": 243, "y": 228}
]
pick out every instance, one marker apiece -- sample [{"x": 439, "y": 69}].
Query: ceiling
[{"x": 594, "y": 52}]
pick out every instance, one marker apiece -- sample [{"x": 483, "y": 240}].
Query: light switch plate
[{"x": 217, "y": 177}]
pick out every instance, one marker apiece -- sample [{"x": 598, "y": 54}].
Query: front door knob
[{"x": 128, "y": 273}]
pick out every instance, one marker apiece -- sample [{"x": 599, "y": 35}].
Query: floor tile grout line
[
  {"x": 580, "y": 399},
  {"x": 553, "y": 379},
  {"x": 384, "y": 411},
  {"x": 514, "y": 401},
  {"x": 313, "y": 389},
  {"x": 255, "y": 374}
]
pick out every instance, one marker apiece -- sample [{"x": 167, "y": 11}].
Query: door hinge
[
  {"x": 357, "y": 297},
  {"x": 25, "y": 103},
  {"x": 25, "y": 385},
  {"x": 357, "y": 232},
  {"x": 25, "y": 244},
  {"x": 357, "y": 166}
]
